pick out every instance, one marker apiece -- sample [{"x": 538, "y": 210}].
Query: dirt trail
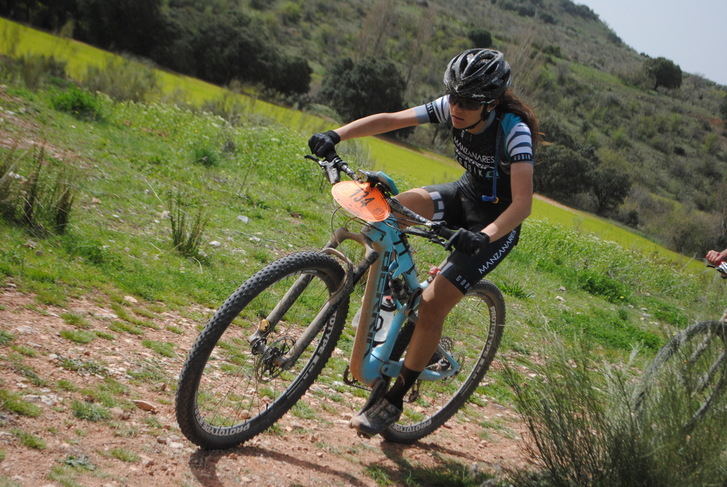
[{"x": 139, "y": 447}]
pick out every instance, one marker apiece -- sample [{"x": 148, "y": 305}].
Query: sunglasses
[{"x": 465, "y": 103}]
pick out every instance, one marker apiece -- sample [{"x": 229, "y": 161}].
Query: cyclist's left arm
[
  {"x": 715, "y": 257},
  {"x": 521, "y": 184}
]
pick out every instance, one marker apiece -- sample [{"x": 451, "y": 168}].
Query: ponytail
[{"x": 509, "y": 102}]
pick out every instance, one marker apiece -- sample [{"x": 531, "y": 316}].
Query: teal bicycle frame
[{"x": 388, "y": 256}]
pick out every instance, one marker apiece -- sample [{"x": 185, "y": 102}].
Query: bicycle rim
[
  {"x": 688, "y": 375},
  {"x": 471, "y": 333},
  {"x": 231, "y": 390}
]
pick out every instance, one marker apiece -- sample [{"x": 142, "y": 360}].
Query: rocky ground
[{"x": 134, "y": 439}]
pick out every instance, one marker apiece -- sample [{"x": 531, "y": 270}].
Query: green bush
[
  {"x": 44, "y": 201},
  {"x": 187, "y": 230},
  {"x": 585, "y": 429},
  {"x": 205, "y": 155},
  {"x": 89, "y": 411},
  {"x": 122, "y": 79},
  {"x": 78, "y": 102}
]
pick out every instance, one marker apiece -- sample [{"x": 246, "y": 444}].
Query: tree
[
  {"x": 723, "y": 107},
  {"x": 358, "y": 89},
  {"x": 563, "y": 172},
  {"x": 610, "y": 187},
  {"x": 664, "y": 73},
  {"x": 480, "y": 37}
]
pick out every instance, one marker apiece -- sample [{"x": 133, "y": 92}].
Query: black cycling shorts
[{"x": 455, "y": 208}]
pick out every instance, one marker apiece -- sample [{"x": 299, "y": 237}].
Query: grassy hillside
[{"x": 411, "y": 165}]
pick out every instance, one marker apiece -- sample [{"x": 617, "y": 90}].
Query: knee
[{"x": 432, "y": 310}]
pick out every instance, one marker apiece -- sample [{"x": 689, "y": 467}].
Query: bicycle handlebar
[
  {"x": 332, "y": 164},
  {"x": 720, "y": 267}
]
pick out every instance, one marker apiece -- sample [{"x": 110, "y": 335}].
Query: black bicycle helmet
[{"x": 481, "y": 74}]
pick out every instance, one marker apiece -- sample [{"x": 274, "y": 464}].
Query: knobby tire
[
  {"x": 475, "y": 328},
  {"x": 241, "y": 383}
]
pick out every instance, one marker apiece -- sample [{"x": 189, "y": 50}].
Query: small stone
[
  {"x": 243, "y": 218},
  {"x": 560, "y": 298},
  {"x": 175, "y": 445},
  {"x": 145, "y": 406},
  {"x": 131, "y": 299},
  {"x": 104, "y": 314},
  {"x": 215, "y": 243}
]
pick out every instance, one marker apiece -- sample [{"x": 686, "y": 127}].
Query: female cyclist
[{"x": 492, "y": 132}]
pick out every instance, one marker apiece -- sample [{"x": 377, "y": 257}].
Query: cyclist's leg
[
  {"x": 418, "y": 200},
  {"x": 458, "y": 274},
  {"x": 437, "y": 301}
]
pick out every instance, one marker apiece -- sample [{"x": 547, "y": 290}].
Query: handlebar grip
[{"x": 445, "y": 232}]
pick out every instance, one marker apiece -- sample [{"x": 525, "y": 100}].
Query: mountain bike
[
  {"x": 693, "y": 366},
  {"x": 267, "y": 344}
]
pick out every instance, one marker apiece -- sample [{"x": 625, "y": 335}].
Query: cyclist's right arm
[{"x": 378, "y": 123}]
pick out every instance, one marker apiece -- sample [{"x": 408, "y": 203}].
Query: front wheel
[
  {"x": 238, "y": 378},
  {"x": 689, "y": 374},
  {"x": 471, "y": 334}
]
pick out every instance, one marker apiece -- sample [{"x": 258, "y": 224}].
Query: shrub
[
  {"x": 186, "y": 232},
  {"x": 89, "y": 411},
  {"x": 122, "y": 79},
  {"x": 79, "y": 103},
  {"x": 586, "y": 430},
  {"x": 480, "y": 37},
  {"x": 664, "y": 72},
  {"x": 43, "y": 202},
  {"x": 723, "y": 107},
  {"x": 35, "y": 69},
  {"x": 357, "y": 89},
  {"x": 205, "y": 155}
]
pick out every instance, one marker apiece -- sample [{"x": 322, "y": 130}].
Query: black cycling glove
[
  {"x": 322, "y": 144},
  {"x": 468, "y": 242}
]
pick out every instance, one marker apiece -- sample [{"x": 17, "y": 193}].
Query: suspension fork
[{"x": 353, "y": 275}]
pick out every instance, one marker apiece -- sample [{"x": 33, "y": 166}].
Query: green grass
[
  {"x": 78, "y": 336},
  {"x": 76, "y": 320},
  {"x": 5, "y": 337},
  {"x": 29, "y": 440},
  {"x": 124, "y": 455},
  {"x": 89, "y": 411},
  {"x": 12, "y": 402},
  {"x": 165, "y": 349}
]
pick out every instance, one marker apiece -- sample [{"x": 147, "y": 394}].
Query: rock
[
  {"x": 131, "y": 299},
  {"x": 175, "y": 445},
  {"x": 243, "y": 218},
  {"x": 145, "y": 406},
  {"x": 105, "y": 314},
  {"x": 215, "y": 244},
  {"x": 560, "y": 298}
]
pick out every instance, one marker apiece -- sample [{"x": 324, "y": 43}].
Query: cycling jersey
[
  {"x": 460, "y": 203},
  {"x": 477, "y": 152}
]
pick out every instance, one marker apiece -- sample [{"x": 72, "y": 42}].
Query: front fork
[{"x": 258, "y": 340}]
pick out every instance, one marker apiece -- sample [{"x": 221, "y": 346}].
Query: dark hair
[{"x": 509, "y": 102}]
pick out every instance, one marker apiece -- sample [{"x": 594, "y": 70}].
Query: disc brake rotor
[{"x": 266, "y": 364}]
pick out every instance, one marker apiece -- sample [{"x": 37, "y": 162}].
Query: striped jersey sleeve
[
  {"x": 436, "y": 111},
  {"x": 518, "y": 139}
]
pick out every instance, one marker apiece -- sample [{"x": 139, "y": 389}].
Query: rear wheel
[
  {"x": 236, "y": 381},
  {"x": 471, "y": 333}
]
